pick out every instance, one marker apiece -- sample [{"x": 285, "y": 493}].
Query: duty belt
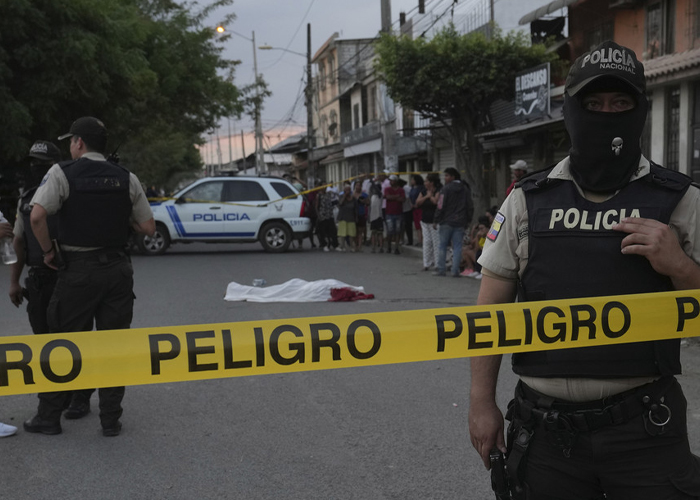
[
  {"x": 103, "y": 255},
  {"x": 41, "y": 271},
  {"x": 589, "y": 416}
]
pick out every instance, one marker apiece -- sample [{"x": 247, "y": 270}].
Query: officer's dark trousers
[
  {"x": 92, "y": 290},
  {"x": 623, "y": 461},
  {"x": 39, "y": 285}
]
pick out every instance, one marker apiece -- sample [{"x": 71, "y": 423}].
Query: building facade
[{"x": 665, "y": 35}]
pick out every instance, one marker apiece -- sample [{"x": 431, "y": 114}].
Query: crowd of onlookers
[{"x": 384, "y": 213}]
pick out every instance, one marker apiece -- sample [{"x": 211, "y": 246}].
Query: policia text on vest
[{"x": 72, "y": 361}]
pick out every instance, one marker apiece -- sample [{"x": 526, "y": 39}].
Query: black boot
[{"x": 40, "y": 426}]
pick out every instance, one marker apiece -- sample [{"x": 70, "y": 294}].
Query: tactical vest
[
  {"x": 33, "y": 251},
  {"x": 573, "y": 252},
  {"x": 97, "y": 211}
]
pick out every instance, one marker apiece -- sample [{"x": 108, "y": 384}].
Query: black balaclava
[
  {"x": 37, "y": 171},
  {"x": 605, "y": 147}
]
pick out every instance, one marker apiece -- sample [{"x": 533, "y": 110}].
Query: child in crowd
[{"x": 376, "y": 223}]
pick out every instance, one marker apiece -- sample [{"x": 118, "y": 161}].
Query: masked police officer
[
  {"x": 95, "y": 203},
  {"x": 41, "y": 278},
  {"x": 599, "y": 422}
]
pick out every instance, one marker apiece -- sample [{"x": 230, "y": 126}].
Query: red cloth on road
[{"x": 348, "y": 294}]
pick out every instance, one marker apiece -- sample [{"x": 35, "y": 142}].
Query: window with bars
[
  {"x": 600, "y": 33},
  {"x": 673, "y": 112},
  {"x": 331, "y": 75},
  {"x": 660, "y": 28},
  {"x": 322, "y": 74},
  {"x": 372, "y": 104}
]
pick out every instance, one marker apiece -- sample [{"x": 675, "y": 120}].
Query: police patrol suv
[{"x": 230, "y": 210}]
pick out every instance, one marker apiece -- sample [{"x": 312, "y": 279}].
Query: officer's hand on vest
[{"x": 658, "y": 243}]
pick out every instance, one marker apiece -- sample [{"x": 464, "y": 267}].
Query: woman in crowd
[
  {"x": 427, "y": 203},
  {"x": 417, "y": 186}
]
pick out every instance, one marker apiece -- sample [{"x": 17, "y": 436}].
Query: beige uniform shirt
[
  {"x": 54, "y": 191},
  {"x": 506, "y": 258}
]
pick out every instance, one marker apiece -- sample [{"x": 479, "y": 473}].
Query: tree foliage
[
  {"x": 454, "y": 79},
  {"x": 150, "y": 69},
  {"x": 253, "y": 96}
]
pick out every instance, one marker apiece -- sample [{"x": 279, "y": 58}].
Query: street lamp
[
  {"x": 269, "y": 47},
  {"x": 309, "y": 95}
]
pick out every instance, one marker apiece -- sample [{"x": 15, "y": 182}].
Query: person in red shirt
[
  {"x": 394, "y": 196},
  {"x": 519, "y": 169}
]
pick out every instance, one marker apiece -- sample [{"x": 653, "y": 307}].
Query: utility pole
[
  {"x": 310, "y": 139},
  {"x": 245, "y": 160},
  {"x": 259, "y": 164},
  {"x": 391, "y": 160},
  {"x": 230, "y": 139},
  {"x": 218, "y": 148}
]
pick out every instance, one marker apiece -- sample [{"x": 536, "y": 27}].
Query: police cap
[
  {"x": 45, "y": 151},
  {"x": 609, "y": 61},
  {"x": 87, "y": 126}
]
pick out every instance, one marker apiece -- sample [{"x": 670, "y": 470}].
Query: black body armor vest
[
  {"x": 97, "y": 211},
  {"x": 573, "y": 252},
  {"x": 33, "y": 251}
]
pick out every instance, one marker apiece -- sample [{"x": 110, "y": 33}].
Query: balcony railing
[{"x": 362, "y": 134}]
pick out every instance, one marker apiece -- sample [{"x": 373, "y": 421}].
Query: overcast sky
[{"x": 282, "y": 24}]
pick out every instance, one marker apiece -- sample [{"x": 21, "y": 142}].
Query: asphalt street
[{"x": 384, "y": 432}]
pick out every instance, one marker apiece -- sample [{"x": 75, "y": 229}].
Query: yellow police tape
[{"x": 39, "y": 363}]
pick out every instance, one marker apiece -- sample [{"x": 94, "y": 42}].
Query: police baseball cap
[
  {"x": 46, "y": 151},
  {"x": 610, "y": 61},
  {"x": 86, "y": 126}
]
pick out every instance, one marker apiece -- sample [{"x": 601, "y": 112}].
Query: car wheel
[
  {"x": 156, "y": 244},
  {"x": 275, "y": 237}
]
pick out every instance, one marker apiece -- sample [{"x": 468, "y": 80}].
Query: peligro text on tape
[{"x": 51, "y": 362}]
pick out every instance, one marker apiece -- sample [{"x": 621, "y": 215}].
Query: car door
[
  {"x": 245, "y": 209},
  {"x": 198, "y": 213}
]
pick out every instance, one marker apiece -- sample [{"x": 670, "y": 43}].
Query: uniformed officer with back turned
[
  {"x": 606, "y": 421},
  {"x": 96, "y": 202},
  {"x": 41, "y": 279}
]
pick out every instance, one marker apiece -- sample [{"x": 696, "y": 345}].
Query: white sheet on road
[{"x": 294, "y": 290}]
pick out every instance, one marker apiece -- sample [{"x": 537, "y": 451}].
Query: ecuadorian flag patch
[{"x": 496, "y": 226}]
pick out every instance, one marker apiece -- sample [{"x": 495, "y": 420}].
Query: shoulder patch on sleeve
[{"x": 496, "y": 226}]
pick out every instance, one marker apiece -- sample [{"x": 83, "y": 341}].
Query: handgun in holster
[{"x": 499, "y": 476}]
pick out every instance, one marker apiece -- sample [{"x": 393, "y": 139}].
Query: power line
[{"x": 301, "y": 23}]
